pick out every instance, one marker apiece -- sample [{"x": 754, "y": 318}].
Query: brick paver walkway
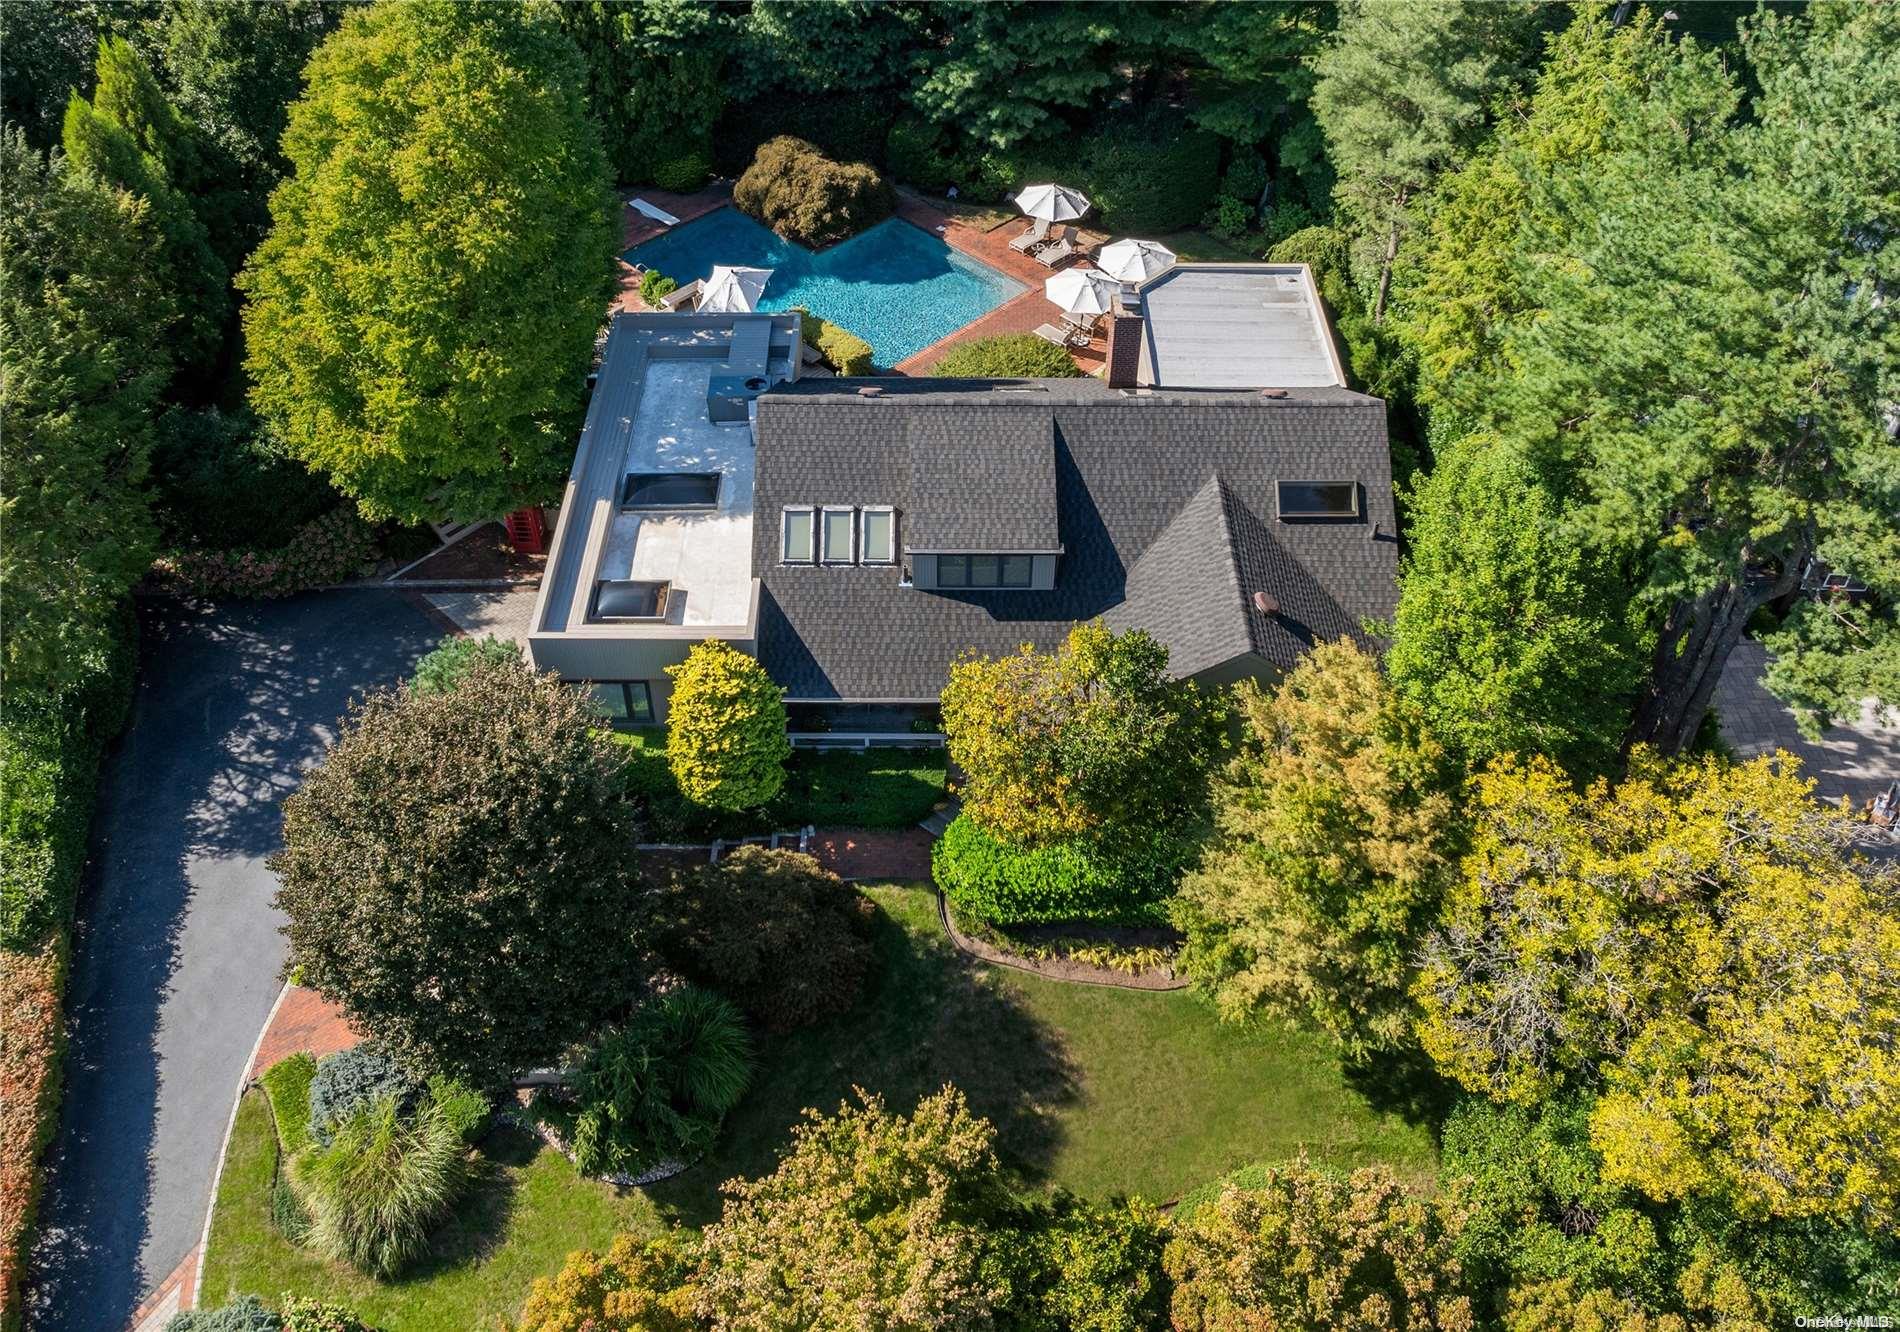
[
  {"x": 1855, "y": 759},
  {"x": 304, "y": 1020},
  {"x": 903, "y": 854}
]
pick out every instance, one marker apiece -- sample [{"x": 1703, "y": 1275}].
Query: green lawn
[
  {"x": 830, "y": 788},
  {"x": 1204, "y": 247},
  {"x": 528, "y": 1213},
  {"x": 1094, "y": 1089}
]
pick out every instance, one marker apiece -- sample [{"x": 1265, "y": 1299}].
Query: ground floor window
[{"x": 624, "y": 700}]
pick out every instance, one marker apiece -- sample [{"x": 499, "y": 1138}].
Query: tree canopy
[{"x": 423, "y": 312}]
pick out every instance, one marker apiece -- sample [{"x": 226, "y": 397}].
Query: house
[{"x": 1219, "y": 487}]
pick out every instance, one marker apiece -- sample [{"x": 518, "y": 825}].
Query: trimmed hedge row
[
  {"x": 1007, "y": 356},
  {"x": 843, "y": 350},
  {"x": 1111, "y": 882}
]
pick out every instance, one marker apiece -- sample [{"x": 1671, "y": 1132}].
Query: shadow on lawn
[
  {"x": 928, "y": 1019},
  {"x": 478, "y": 1225},
  {"x": 1407, "y": 1084}
]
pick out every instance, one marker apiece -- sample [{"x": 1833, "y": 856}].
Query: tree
[
  {"x": 637, "y": 1284},
  {"x": 813, "y": 47},
  {"x": 1712, "y": 361},
  {"x": 459, "y": 874},
  {"x": 786, "y": 938},
  {"x": 1334, "y": 844},
  {"x": 1401, "y": 95},
  {"x": 1254, "y": 77},
  {"x": 128, "y": 136},
  {"x": 46, "y": 50},
  {"x": 1309, "y": 1247},
  {"x": 82, "y": 325},
  {"x": 1008, "y": 356},
  {"x": 453, "y": 658},
  {"x": 1099, "y": 1266},
  {"x": 806, "y": 197},
  {"x": 654, "y": 76},
  {"x": 423, "y": 312},
  {"x": 1697, "y": 938},
  {"x": 1561, "y": 1306},
  {"x": 725, "y": 728},
  {"x": 886, "y": 1216},
  {"x": 1510, "y": 637},
  {"x": 1056, "y": 745}
]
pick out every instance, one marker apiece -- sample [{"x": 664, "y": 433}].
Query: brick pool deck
[{"x": 1020, "y": 314}]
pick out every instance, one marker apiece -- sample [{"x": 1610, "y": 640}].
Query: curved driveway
[{"x": 176, "y": 958}]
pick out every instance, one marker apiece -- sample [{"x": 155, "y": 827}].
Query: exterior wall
[
  {"x": 574, "y": 657},
  {"x": 1249, "y": 666},
  {"x": 1042, "y": 573}
]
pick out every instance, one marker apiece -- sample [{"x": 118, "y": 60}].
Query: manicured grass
[
  {"x": 1093, "y": 1089},
  {"x": 830, "y": 788},
  {"x": 1204, "y": 247},
  {"x": 529, "y": 1211},
  {"x": 287, "y": 1084}
]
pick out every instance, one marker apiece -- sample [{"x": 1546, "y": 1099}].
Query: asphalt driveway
[{"x": 177, "y": 957}]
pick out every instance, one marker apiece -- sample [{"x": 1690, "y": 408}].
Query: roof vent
[
  {"x": 870, "y": 391},
  {"x": 1264, "y": 603},
  {"x": 1273, "y": 393}
]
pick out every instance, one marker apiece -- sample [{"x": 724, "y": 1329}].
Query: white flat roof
[{"x": 1236, "y": 326}]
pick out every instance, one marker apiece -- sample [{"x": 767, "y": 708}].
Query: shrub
[
  {"x": 287, "y": 1087},
  {"x": 725, "y": 739},
  {"x": 682, "y": 168},
  {"x": 350, "y": 1079},
  {"x": 1007, "y": 356},
  {"x": 1121, "y": 878},
  {"x": 301, "y": 1313},
  {"x": 466, "y": 1109},
  {"x": 1100, "y": 1266},
  {"x": 511, "y": 825},
  {"x": 843, "y": 350},
  {"x": 657, "y": 1089},
  {"x": 382, "y": 1184},
  {"x": 786, "y": 938},
  {"x": 806, "y": 197},
  {"x": 1147, "y": 172},
  {"x": 326, "y": 550},
  {"x": 644, "y": 1285},
  {"x": 246, "y": 1313},
  {"x": 221, "y": 481},
  {"x": 654, "y": 284},
  {"x": 454, "y": 658}
]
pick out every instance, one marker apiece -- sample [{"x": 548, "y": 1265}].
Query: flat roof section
[{"x": 1236, "y": 326}]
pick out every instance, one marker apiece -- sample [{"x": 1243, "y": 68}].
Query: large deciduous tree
[
  {"x": 1402, "y": 95},
  {"x": 422, "y": 314},
  {"x": 459, "y": 874},
  {"x": 1333, "y": 850},
  {"x": 1714, "y": 357},
  {"x": 1309, "y": 1247},
  {"x": 1511, "y": 637},
  {"x": 1095, "y": 734},
  {"x": 1697, "y": 941},
  {"x": 82, "y": 330}
]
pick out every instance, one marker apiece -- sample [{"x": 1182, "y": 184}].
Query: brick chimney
[{"x": 1124, "y": 350}]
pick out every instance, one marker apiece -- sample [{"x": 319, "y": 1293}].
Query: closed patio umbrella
[
  {"x": 1052, "y": 203},
  {"x": 1135, "y": 260},
  {"x": 1083, "y": 291},
  {"x": 733, "y": 290}
]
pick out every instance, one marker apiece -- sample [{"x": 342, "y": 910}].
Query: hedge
[
  {"x": 1117, "y": 881},
  {"x": 848, "y": 126},
  {"x": 843, "y": 350},
  {"x": 326, "y": 550},
  {"x": 1007, "y": 356},
  {"x": 49, "y": 767}
]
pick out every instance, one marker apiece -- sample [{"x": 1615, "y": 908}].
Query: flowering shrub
[{"x": 325, "y": 550}]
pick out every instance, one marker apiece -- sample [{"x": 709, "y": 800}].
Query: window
[
  {"x": 796, "y": 539},
  {"x": 670, "y": 490},
  {"x": 628, "y": 599},
  {"x": 876, "y": 537},
  {"x": 838, "y": 532},
  {"x": 623, "y": 700},
  {"x": 1318, "y": 499},
  {"x": 984, "y": 571}
]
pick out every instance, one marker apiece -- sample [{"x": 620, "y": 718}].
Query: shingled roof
[
  {"x": 982, "y": 478},
  {"x": 1161, "y": 504}
]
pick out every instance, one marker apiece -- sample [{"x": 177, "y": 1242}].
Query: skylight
[
  {"x": 1318, "y": 499},
  {"x": 670, "y": 490},
  {"x": 629, "y": 599}
]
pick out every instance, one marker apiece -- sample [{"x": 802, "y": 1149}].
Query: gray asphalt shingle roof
[
  {"x": 1161, "y": 507},
  {"x": 982, "y": 477}
]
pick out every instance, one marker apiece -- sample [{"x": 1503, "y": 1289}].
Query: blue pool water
[{"x": 895, "y": 285}]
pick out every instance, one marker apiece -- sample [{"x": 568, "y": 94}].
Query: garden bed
[{"x": 1128, "y": 957}]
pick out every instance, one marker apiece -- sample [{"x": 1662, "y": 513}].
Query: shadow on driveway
[{"x": 176, "y": 957}]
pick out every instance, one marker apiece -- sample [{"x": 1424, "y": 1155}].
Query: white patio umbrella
[
  {"x": 1083, "y": 291},
  {"x": 1052, "y": 203},
  {"x": 733, "y": 290},
  {"x": 1135, "y": 260}
]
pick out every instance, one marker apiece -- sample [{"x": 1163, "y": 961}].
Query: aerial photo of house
[{"x": 949, "y": 665}]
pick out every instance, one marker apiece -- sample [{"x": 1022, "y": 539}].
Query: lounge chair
[
  {"x": 1036, "y": 234},
  {"x": 687, "y": 296},
  {"x": 1057, "y": 251},
  {"x": 1062, "y": 337},
  {"x": 1084, "y": 326}
]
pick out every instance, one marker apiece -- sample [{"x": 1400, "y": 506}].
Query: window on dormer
[
  {"x": 796, "y": 536},
  {"x": 877, "y": 530},
  {"x": 838, "y": 533}
]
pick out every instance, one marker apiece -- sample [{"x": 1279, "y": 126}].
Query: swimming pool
[{"x": 895, "y": 285}]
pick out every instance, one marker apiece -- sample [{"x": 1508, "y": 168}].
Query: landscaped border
[{"x": 1055, "y": 969}]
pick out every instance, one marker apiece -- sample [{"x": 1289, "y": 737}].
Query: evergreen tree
[{"x": 82, "y": 332}]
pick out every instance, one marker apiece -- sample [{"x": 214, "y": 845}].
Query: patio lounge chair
[
  {"x": 1083, "y": 326},
  {"x": 1054, "y": 253},
  {"x": 1062, "y": 337},
  {"x": 686, "y": 296},
  {"x": 1036, "y": 234}
]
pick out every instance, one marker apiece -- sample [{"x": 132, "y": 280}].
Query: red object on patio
[{"x": 527, "y": 533}]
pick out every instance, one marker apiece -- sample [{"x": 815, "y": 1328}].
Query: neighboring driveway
[
  {"x": 1855, "y": 758},
  {"x": 176, "y": 958}
]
